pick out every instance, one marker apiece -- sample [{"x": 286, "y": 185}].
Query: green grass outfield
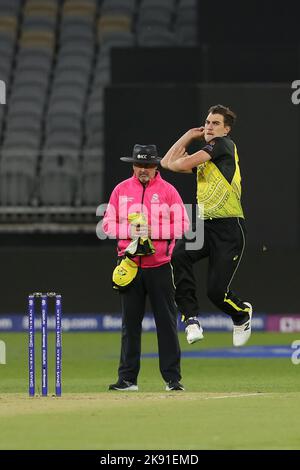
[{"x": 228, "y": 403}]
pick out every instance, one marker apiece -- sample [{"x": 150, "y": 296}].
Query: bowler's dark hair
[{"x": 229, "y": 116}]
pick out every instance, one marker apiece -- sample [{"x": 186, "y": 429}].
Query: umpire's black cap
[{"x": 146, "y": 154}]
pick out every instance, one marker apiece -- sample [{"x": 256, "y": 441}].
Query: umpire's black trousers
[
  {"x": 224, "y": 244},
  {"x": 159, "y": 285}
]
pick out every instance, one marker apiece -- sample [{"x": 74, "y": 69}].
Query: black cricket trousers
[
  {"x": 158, "y": 284},
  {"x": 224, "y": 244}
]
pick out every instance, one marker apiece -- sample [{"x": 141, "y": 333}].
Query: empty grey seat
[
  {"x": 76, "y": 48},
  {"x": 103, "y": 62},
  {"x": 94, "y": 123},
  {"x": 74, "y": 81},
  {"x": 64, "y": 140},
  {"x": 63, "y": 122},
  {"x": 65, "y": 107},
  {"x": 28, "y": 63},
  {"x": 35, "y": 78},
  {"x": 71, "y": 79},
  {"x": 15, "y": 124},
  {"x": 35, "y": 52},
  {"x": 186, "y": 25},
  {"x": 17, "y": 182},
  {"x": 27, "y": 93},
  {"x": 75, "y": 42},
  {"x": 97, "y": 96},
  {"x": 94, "y": 131},
  {"x": 61, "y": 152},
  {"x": 58, "y": 181},
  {"x": 26, "y": 109},
  {"x": 7, "y": 49},
  {"x": 58, "y": 97},
  {"x": 5, "y": 53},
  {"x": 116, "y": 39},
  {"x": 85, "y": 21},
  {"x": 74, "y": 57},
  {"x": 77, "y": 32},
  {"x": 21, "y": 139},
  {"x": 67, "y": 92},
  {"x": 102, "y": 72},
  {"x": 21, "y": 153},
  {"x": 149, "y": 18},
  {"x": 10, "y": 6},
  {"x": 94, "y": 145},
  {"x": 156, "y": 12},
  {"x": 92, "y": 181},
  {"x": 95, "y": 118},
  {"x": 103, "y": 78},
  {"x": 80, "y": 7},
  {"x": 40, "y": 89},
  {"x": 156, "y": 38},
  {"x": 5, "y": 74},
  {"x": 74, "y": 63},
  {"x": 96, "y": 106},
  {"x": 6, "y": 63},
  {"x": 122, "y": 7},
  {"x": 32, "y": 22}
]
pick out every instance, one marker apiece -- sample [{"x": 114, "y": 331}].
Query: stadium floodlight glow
[{"x": 2, "y": 92}]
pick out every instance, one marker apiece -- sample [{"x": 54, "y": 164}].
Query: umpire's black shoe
[
  {"x": 174, "y": 386},
  {"x": 124, "y": 385}
]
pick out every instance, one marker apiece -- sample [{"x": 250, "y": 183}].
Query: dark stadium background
[{"x": 242, "y": 57}]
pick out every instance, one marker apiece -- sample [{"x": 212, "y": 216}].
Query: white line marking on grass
[{"x": 235, "y": 396}]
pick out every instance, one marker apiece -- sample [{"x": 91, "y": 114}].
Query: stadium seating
[
  {"x": 92, "y": 179},
  {"x": 55, "y": 61},
  {"x": 59, "y": 180},
  {"x": 119, "y": 7},
  {"x": 155, "y": 13},
  {"x": 17, "y": 180},
  {"x": 10, "y": 7},
  {"x": 186, "y": 22}
]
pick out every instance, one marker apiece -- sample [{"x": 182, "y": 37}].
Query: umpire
[{"x": 140, "y": 215}]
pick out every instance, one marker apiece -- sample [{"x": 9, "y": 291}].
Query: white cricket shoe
[
  {"x": 194, "y": 331},
  {"x": 242, "y": 333}
]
